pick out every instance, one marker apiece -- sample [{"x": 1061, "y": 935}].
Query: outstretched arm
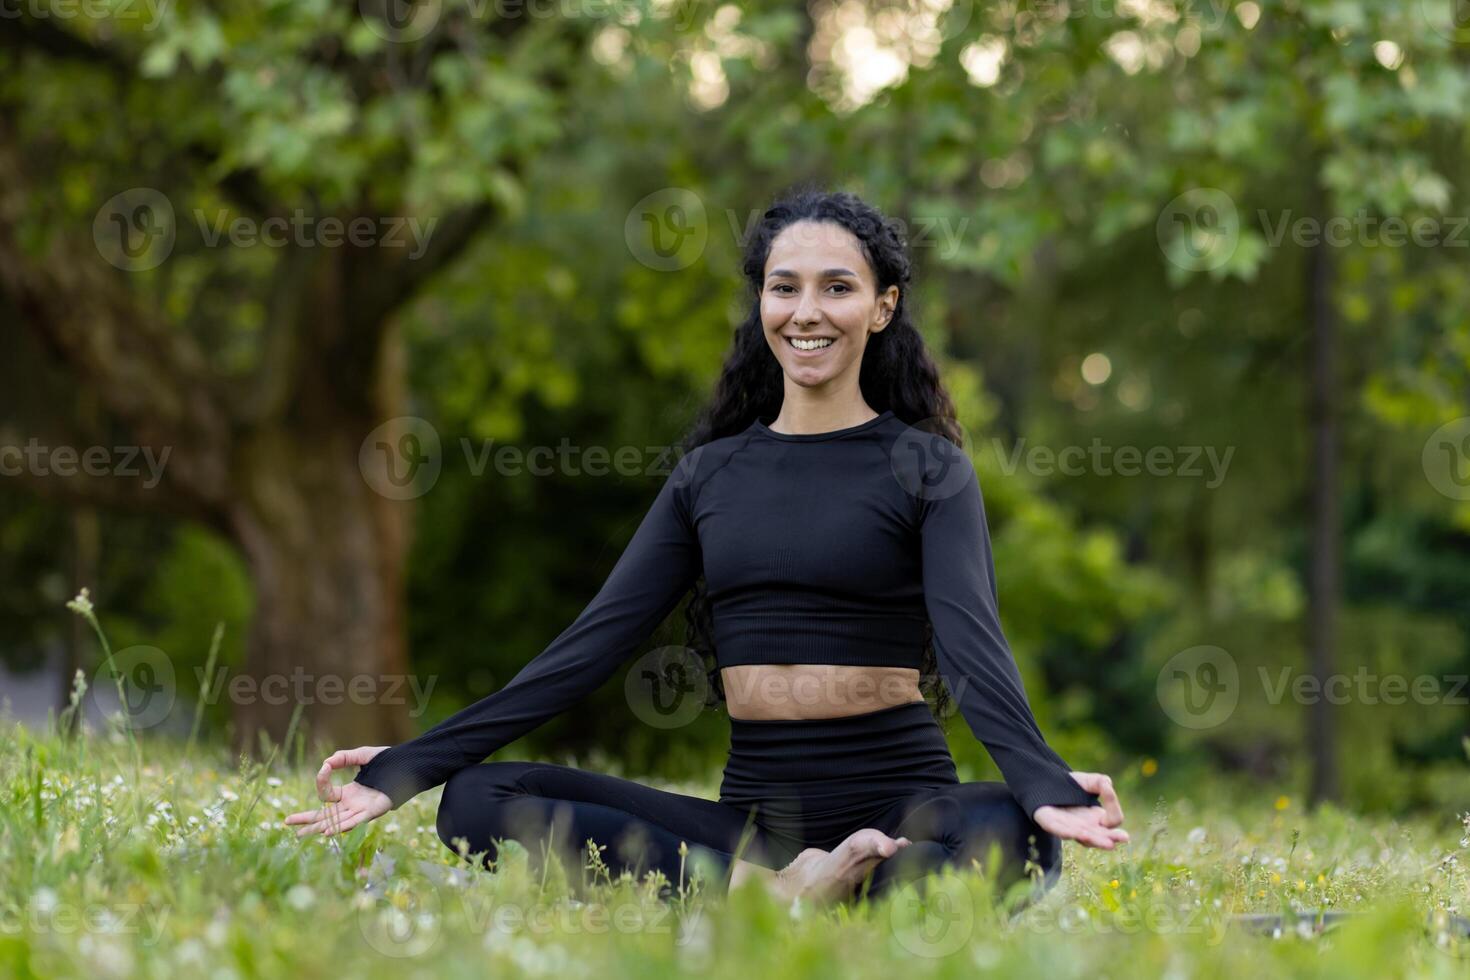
[
  {"x": 658, "y": 567},
  {"x": 973, "y": 655}
]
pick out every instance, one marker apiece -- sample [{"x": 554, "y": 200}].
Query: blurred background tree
[{"x": 1103, "y": 205}]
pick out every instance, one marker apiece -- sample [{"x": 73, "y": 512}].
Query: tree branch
[
  {"x": 156, "y": 380},
  {"x": 384, "y": 281},
  {"x": 132, "y": 478},
  {"x": 25, "y": 33}
]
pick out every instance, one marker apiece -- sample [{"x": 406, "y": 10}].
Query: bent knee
[
  {"x": 469, "y": 798},
  {"x": 1001, "y": 819},
  {"x": 454, "y": 801}
]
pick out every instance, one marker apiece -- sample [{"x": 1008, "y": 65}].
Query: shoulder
[
  {"x": 694, "y": 468},
  {"x": 926, "y": 463}
]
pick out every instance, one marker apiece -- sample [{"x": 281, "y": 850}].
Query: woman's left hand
[{"x": 1095, "y": 826}]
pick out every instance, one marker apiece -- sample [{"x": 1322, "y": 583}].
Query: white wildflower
[
  {"x": 109, "y": 956},
  {"x": 300, "y": 897},
  {"x": 45, "y": 900},
  {"x": 190, "y": 952}
]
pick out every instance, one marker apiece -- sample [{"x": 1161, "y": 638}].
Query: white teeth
[{"x": 810, "y": 344}]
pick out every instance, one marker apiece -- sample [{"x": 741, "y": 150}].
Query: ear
[{"x": 887, "y": 303}]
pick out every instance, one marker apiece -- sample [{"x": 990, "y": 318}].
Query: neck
[{"x": 811, "y": 414}]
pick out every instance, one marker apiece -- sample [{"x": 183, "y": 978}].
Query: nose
[{"x": 806, "y": 310}]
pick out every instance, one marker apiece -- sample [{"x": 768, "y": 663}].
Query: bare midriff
[{"x": 791, "y": 692}]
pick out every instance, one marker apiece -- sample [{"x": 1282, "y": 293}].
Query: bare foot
[{"x": 821, "y": 876}]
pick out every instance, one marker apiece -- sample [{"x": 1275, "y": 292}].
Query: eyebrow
[{"x": 826, "y": 273}]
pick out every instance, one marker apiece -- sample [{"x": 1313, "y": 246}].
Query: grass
[
  {"x": 124, "y": 857},
  {"x": 186, "y": 867}
]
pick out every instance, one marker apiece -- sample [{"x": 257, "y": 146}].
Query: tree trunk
[
  {"x": 1322, "y": 574},
  {"x": 326, "y": 551},
  {"x": 326, "y": 555}
]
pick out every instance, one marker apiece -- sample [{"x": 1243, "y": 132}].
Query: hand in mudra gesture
[
  {"x": 1095, "y": 826},
  {"x": 346, "y": 806}
]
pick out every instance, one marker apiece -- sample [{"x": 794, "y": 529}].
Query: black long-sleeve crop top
[{"x": 817, "y": 548}]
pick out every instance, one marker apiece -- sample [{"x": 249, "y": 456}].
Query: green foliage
[{"x": 1052, "y": 178}]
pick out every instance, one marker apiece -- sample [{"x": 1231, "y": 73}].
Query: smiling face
[{"x": 819, "y": 303}]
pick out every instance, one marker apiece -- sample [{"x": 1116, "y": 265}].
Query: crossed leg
[
  {"x": 951, "y": 825},
  {"x": 551, "y": 808}
]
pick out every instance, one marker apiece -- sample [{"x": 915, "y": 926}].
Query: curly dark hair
[{"x": 896, "y": 373}]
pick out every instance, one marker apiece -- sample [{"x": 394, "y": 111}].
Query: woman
[{"x": 845, "y": 559}]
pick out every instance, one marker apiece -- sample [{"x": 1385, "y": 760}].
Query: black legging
[{"x": 788, "y": 785}]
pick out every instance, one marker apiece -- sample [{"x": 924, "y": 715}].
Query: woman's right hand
[
  {"x": 346, "y": 806},
  {"x": 1098, "y": 826}
]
